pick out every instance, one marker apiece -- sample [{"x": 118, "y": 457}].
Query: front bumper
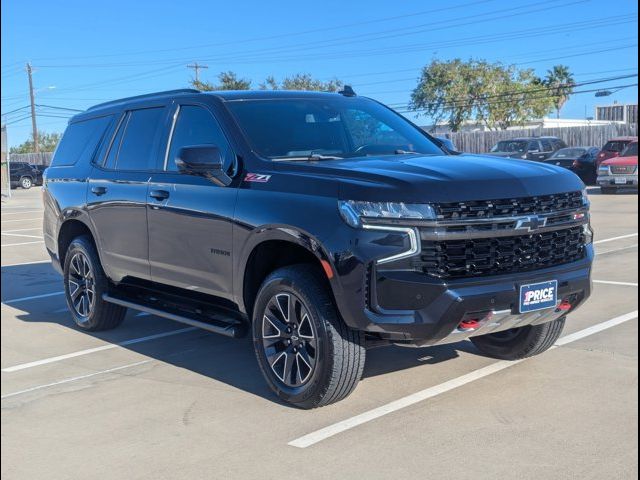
[
  {"x": 612, "y": 180},
  {"x": 434, "y": 308}
]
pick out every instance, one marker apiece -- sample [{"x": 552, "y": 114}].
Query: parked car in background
[
  {"x": 613, "y": 148},
  {"x": 39, "y": 167},
  {"x": 24, "y": 175},
  {"x": 620, "y": 172},
  {"x": 528, "y": 148},
  {"x": 580, "y": 160}
]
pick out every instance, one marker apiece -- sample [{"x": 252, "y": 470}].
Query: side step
[{"x": 229, "y": 327}]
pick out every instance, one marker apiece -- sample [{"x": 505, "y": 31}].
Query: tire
[
  {"x": 82, "y": 268},
  {"x": 26, "y": 183},
  {"x": 335, "y": 354},
  {"x": 607, "y": 190},
  {"x": 522, "y": 342}
]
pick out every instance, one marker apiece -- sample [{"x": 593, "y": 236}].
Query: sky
[{"x": 85, "y": 53}]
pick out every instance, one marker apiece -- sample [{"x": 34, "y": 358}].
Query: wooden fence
[
  {"x": 597, "y": 136},
  {"x": 42, "y": 158}
]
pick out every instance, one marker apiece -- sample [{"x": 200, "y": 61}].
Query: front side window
[
  {"x": 196, "y": 126},
  {"x": 299, "y": 128}
]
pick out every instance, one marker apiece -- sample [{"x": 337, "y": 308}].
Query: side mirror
[{"x": 203, "y": 160}]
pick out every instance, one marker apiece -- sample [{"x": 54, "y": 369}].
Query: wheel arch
[{"x": 274, "y": 248}]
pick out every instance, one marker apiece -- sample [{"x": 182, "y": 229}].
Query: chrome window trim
[{"x": 168, "y": 147}]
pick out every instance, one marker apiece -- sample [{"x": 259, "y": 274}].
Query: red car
[
  {"x": 613, "y": 148},
  {"x": 620, "y": 172}
]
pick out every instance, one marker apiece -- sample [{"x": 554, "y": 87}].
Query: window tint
[
  {"x": 79, "y": 141},
  {"x": 533, "y": 145},
  {"x": 546, "y": 146},
  {"x": 114, "y": 148},
  {"x": 196, "y": 126},
  {"x": 136, "y": 148}
]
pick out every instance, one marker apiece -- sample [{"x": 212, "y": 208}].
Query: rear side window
[
  {"x": 136, "y": 149},
  {"x": 79, "y": 141}
]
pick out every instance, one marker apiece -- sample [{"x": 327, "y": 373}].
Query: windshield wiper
[
  {"x": 309, "y": 158},
  {"x": 406, "y": 152}
]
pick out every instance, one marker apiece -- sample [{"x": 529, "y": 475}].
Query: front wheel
[
  {"x": 307, "y": 354},
  {"x": 522, "y": 342}
]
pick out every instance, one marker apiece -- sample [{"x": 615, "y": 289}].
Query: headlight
[
  {"x": 585, "y": 198},
  {"x": 353, "y": 212},
  {"x": 603, "y": 169}
]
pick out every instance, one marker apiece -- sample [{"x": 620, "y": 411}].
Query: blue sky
[{"x": 87, "y": 52}]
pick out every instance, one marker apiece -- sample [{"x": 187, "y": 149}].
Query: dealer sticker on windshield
[{"x": 538, "y": 296}]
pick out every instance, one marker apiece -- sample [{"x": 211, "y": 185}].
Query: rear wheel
[
  {"x": 307, "y": 354},
  {"x": 26, "y": 183},
  {"x": 520, "y": 342},
  {"x": 84, "y": 285}
]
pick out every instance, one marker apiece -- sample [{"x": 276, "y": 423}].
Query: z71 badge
[{"x": 257, "y": 177}]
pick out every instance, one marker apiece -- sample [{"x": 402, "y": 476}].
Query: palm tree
[{"x": 560, "y": 82}]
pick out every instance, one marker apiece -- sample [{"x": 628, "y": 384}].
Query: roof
[
  {"x": 623, "y": 139},
  {"x": 231, "y": 95}
]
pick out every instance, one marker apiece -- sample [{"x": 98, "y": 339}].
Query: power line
[{"x": 196, "y": 67}]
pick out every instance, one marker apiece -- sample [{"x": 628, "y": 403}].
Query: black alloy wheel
[{"x": 289, "y": 339}]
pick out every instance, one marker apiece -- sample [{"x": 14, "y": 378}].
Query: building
[{"x": 627, "y": 113}]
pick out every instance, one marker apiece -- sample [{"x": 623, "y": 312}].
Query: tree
[
  {"x": 302, "y": 81},
  {"x": 561, "y": 83},
  {"x": 227, "y": 81},
  {"x": 493, "y": 94},
  {"x": 46, "y": 141}
]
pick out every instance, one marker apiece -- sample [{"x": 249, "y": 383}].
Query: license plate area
[
  {"x": 538, "y": 296},
  {"x": 620, "y": 181}
]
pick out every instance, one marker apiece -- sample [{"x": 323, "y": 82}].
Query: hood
[
  {"x": 621, "y": 161},
  {"x": 439, "y": 178}
]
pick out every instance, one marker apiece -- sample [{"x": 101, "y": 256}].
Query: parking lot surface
[{"x": 155, "y": 400}]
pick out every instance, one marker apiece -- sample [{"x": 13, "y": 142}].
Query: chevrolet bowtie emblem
[{"x": 531, "y": 223}]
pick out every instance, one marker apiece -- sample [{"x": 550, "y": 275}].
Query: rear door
[
  {"x": 190, "y": 217},
  {"x": 117, "y": 193}
]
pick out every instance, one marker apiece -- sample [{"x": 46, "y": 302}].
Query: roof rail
[{"x": 147, "y": 95}]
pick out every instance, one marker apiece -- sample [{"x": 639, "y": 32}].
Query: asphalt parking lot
[{"x": 156, "y": 400}]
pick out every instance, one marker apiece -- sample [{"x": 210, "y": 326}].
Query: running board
[{"x": 231, "y": 329}]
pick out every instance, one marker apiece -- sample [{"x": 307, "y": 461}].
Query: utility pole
[
  {"x": 196, "y": 67},
  {"x": 33, "y": 110}
]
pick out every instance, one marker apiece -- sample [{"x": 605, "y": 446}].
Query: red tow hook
[
  {"x": 469, "y": 325},
  {"x": 565, "y": 306}
]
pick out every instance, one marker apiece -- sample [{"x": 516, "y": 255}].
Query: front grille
[
  {"x": 509, "y": 207},
  {"x": 623, "y": 169},
  {"x": 501, "y": 255}
]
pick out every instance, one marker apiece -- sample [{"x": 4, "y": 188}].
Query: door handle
[
  {"x": 159, "y": 194},
  {"x": 98, "y": 190}
]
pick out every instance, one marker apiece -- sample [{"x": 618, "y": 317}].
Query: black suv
[
  {"x": 24, "y": 175},
  {"x": 528, "y": 148},
  {"x": 318, "y": 222}
]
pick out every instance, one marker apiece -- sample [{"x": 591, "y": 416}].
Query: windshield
[
  {"x": 510, "y": 146},
  {"x": 569, "y": 153},
  {"x": 615, "y": 146},
  {"x": 631, "y": 151},
  {"x": 294, "y": 128}
]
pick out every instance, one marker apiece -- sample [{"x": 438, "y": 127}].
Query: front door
[
  {"x": 190, "y": 218},
  {"x": 117, "y": 194}
]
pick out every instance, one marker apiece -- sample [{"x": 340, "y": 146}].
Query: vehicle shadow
[{"x": 223, "y": 359}]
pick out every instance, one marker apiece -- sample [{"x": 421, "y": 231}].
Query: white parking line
[
  {"x": 21, "y": 243},
  {"x": 22, "y": 230},
  {"x": 33, "y": 297},
  {"x": 608, "y": 282},
  {"x": 339, "y": 427},
  {"x": 21, "y": 220},
  {"x": 102, "y": 348},
  {"x": 614, "y": 250},
  {"x": 25, "y": 263},
  {"x": 615, "y": 238},
  {"x": 21, "y": 235},
  {"x": 21, "y": 213},
  {"x": 73, "y": 379}
]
